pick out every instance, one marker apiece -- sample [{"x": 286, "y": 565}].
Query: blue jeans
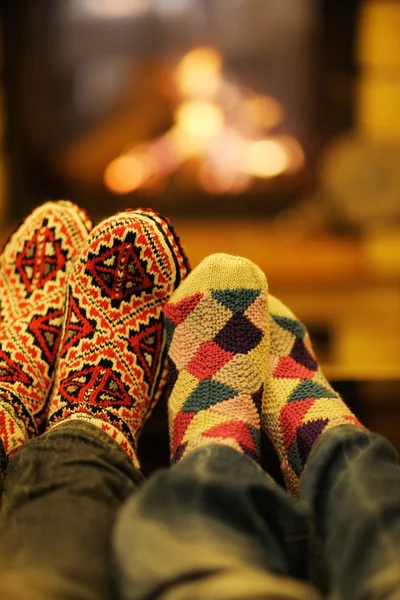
[{"x": 214, "y": 526}]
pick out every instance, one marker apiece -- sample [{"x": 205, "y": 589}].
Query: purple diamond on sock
[
  {"x": 172, "y": 374},
  {"x": 307, "y": 435},
  {"x": 257, "y": 398},
  {"x": 302, "y": 356},
  {"x": 249, "y": 452},
  {"x": 239, "y": 335},
  {"x": 179, "y": 452}
]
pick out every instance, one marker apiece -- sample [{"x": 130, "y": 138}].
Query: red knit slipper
[
  {"x": 112, "y": 367},
  {"x": 34, "y": 267}
]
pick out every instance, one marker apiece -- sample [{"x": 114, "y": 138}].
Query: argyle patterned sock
[
  {"x": 112, "y": 366},
  {"x": 299, "y": 404},
  {"x": 34, "y": 266},
  {"x": 218, "y": 352}
]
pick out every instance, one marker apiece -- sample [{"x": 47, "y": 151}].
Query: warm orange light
[
  {"x": 294, "y": 151},
  {"x": 181, "y": 144},
  {"x": 198, "y": 74},
  {"x": 263, "y": 111},
  {"x": 219, "y": 181},
  {"x": 267, "y": 158},
  {"x": 111, "y": 9},
  {"x": 125, "y": 174},
  {"x": 201, "y": 120}
]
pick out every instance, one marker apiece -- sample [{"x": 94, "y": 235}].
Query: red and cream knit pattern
[
  {"x": 112, "y": 366},
  {"x": 34, "y": 267},
  {"x": 299, "y": 404},
  {"x": 218, "y": 353}
]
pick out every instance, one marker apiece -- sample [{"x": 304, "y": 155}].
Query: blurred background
[{"x": 265, "y": 128}]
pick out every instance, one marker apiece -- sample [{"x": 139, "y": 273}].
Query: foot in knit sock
[
  {"x": 299, "y": 404},
  {"x": 218, "y": 353},
  {"x": 34, "y": 266},
  {"x": 112, "y": 366}
]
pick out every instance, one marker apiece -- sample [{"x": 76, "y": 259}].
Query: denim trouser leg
[
  {"x": 352, "y": 488},
  {"x": 61, "y": 496},
  {"x": 213, "y": 526}
]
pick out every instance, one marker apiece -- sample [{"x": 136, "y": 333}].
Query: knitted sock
[
  {"x": 33, "y": 279},
  {"x": 218, "y": 352},
  {"x": 299, "y": 404},
  {"x": 112, "y": 366}
]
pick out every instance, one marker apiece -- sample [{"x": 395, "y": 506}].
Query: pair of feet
[
  {"x": 81, "y": 333},
  {"x": 82, "y": 336}
]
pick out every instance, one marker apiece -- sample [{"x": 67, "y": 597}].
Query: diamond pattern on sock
[
  {"x": 46, "y": 333},
  {"x": 96, "y": 384},
  {"x": 239, "y": 335},
  {"x": 206, "y": 394},
  {"x": 146, "y": 343},
  {"x": 41, "y": 258},
  {"x": 118, "y": 271},
  {"x": 11, "y": 372},
  {"x": 218, "y": 357},
  {"x": 112, "y": 368},
  {"x": 34, "y": 267},
  {"x": 238, "y": 301},
  {"x": 299, "y": 405},
  {"x": 77, "y": 326},
  {"x": 209, "y": 359}
]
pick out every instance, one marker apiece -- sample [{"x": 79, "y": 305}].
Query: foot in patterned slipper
[
  {"x": 218, "y": 354},
  {"x": 112, "y": 366},
  {"x": 299, "y": 404},
  {"x": 34, "y": 267}
]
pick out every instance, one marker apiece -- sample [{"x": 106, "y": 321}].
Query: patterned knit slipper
[
  {"x": 112, "y": 367},
  {"x": 34, "y": 267},
  {"x": 299, "y": 404},
  {"x": 217, "y": 323}
]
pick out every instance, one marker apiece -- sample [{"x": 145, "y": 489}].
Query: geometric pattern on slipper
[
  {"x": 34, "y": 267},
  {"x": 112, "y": 361},
  {"x": 299, "y": 404},
  {"x": 218, "y": 352}
]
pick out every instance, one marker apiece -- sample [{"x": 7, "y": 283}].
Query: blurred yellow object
[
  {"x": 199, "y": 119},
  {"x": 198, "y": 74},
  {"x": 378, "y": 101},
  {"x": 267, "y": 158},
  {"x": 379, "y": 34},
  {"x": 362, "y": 180},
  {"x": 126, "y": 174},
  {"x": 382, "y": 253}
]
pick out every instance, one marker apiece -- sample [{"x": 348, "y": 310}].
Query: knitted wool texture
[
  {"x": 112, "y": 366},
  {"x": 33, "y": 279},
  {"x": 299, "y": 404},
  {"x": 218, "y": 352}
]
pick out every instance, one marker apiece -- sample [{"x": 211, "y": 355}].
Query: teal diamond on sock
[
  {"x": 169, "y": 329},
  {"x": 309, "y": 389},
  {"x": 256, "y": 435},
  {"x": 294, "y": 459},
  {"x": 292, "y": 325},
  {"x": 208, "y": 393},
  {"x": 236, "y": 300}
]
